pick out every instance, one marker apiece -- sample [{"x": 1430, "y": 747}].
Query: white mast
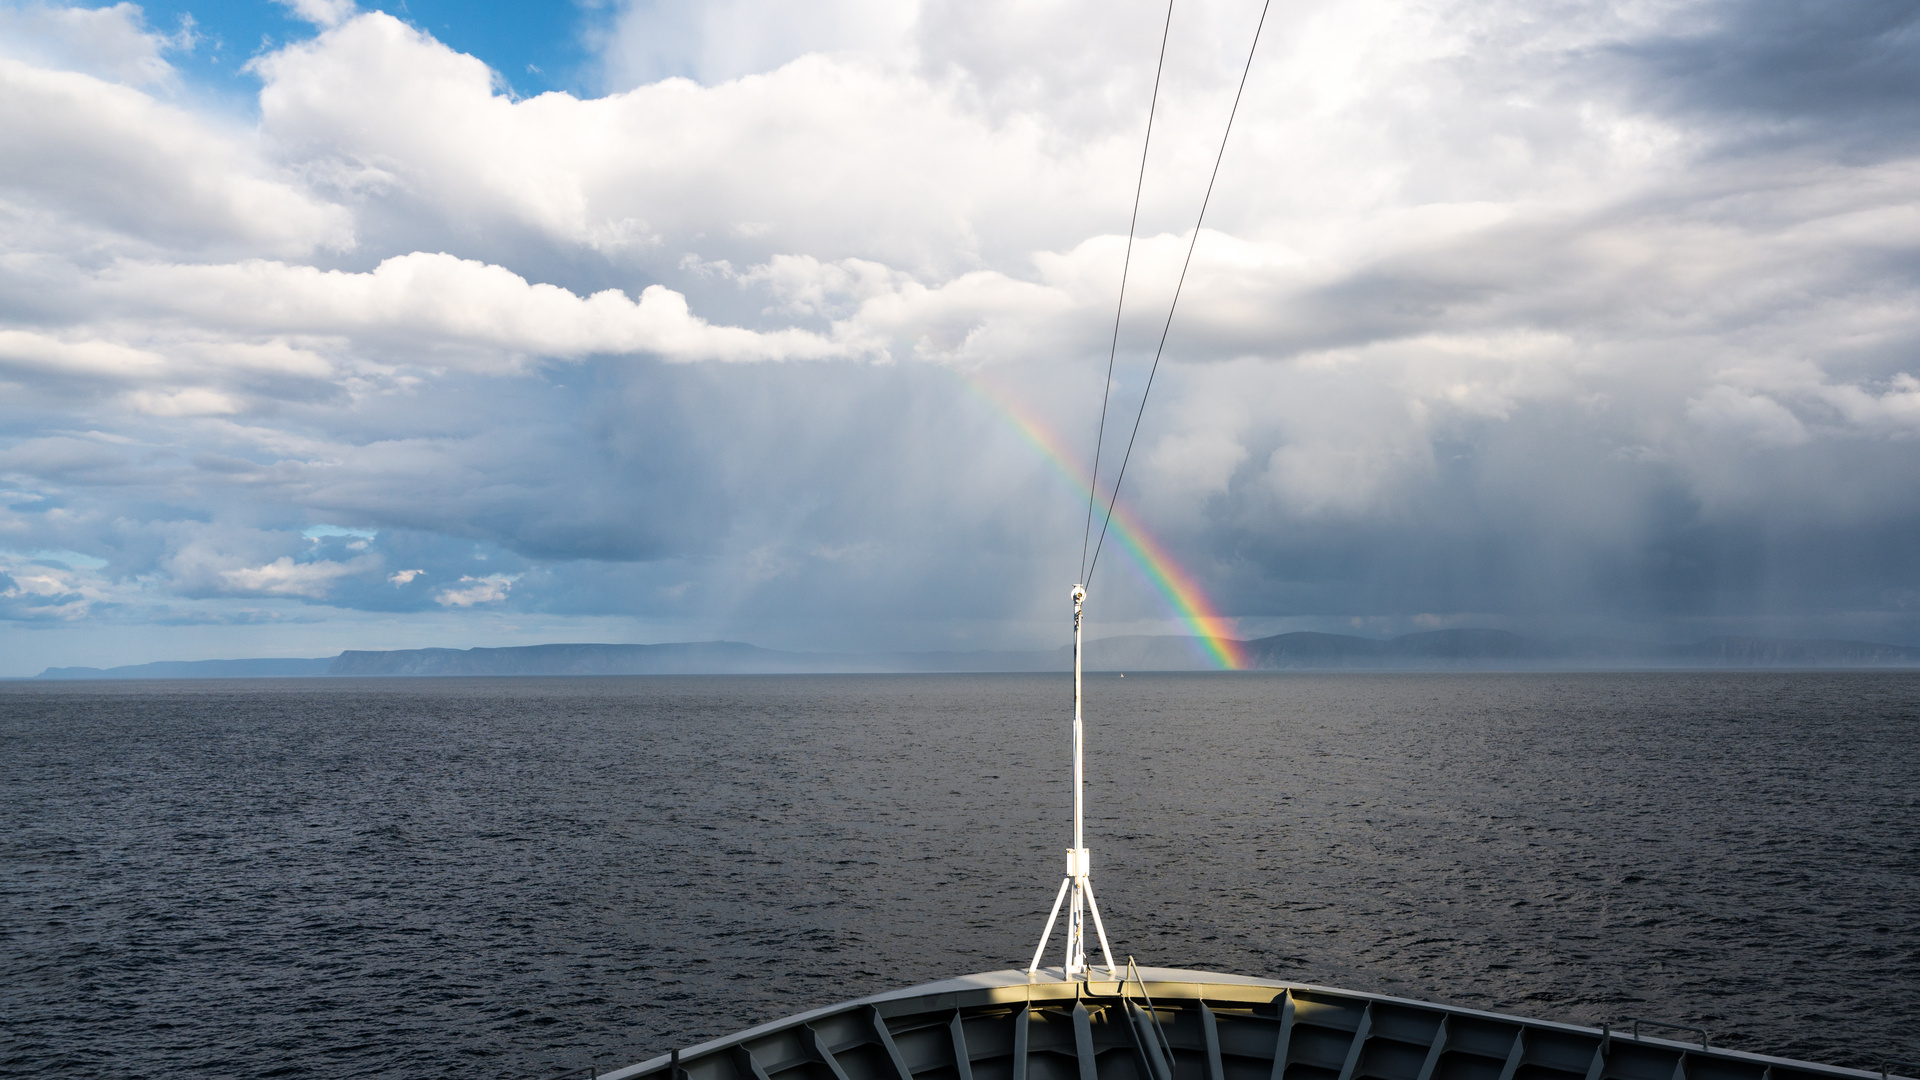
[{"x": 1079, "y": 862}]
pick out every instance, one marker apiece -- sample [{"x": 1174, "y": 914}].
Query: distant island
[{"x": 1437, "y": 650}]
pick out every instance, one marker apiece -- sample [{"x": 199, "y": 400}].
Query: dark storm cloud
[
  {"x": 609, "y": 467},
  {"x": 1795, "y": 71},
  {"x": 1549, "y": 517}
]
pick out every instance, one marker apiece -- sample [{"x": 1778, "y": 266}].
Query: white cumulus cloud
[
  {"x": 101, "y": 154},
  {"x": 285, "y": 577},
  {"x": 455, "y": 307},
  {"x": 476, "y": 590}
]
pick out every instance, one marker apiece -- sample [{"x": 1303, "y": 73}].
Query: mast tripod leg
[
  {"x": 1105, "y": 952},
  {"x": 1041, "y": 950}
]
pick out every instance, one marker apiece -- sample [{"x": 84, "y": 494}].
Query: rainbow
[{"x": 1167, "y": 577}]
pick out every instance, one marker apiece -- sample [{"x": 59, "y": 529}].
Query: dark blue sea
[{"x": 510, "y": 877}]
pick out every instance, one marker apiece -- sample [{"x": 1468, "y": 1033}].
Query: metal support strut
[{"x": 1078, "y": 882}]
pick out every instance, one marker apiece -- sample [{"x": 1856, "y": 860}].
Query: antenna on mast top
[{"x": 1079, "y": 879}]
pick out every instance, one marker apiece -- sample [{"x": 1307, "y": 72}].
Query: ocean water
[{"x": 510, "y": 877}]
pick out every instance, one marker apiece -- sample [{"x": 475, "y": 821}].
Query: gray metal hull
[{"x": 1004, "y": 1025}]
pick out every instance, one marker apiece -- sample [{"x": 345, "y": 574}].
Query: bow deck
[{"x": 1007, "y": 1026}]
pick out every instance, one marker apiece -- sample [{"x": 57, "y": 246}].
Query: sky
[{"x": 326, "y": 327}]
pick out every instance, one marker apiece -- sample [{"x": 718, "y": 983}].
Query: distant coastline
[{"x": 1438, "y": 650}]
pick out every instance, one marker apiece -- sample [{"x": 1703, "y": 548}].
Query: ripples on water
[{"x": 508, "y": 877}]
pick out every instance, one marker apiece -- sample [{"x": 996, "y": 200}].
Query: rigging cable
[
  {"x": 1113, "y": 350},
  {"x": 1121, "y": 478}
]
